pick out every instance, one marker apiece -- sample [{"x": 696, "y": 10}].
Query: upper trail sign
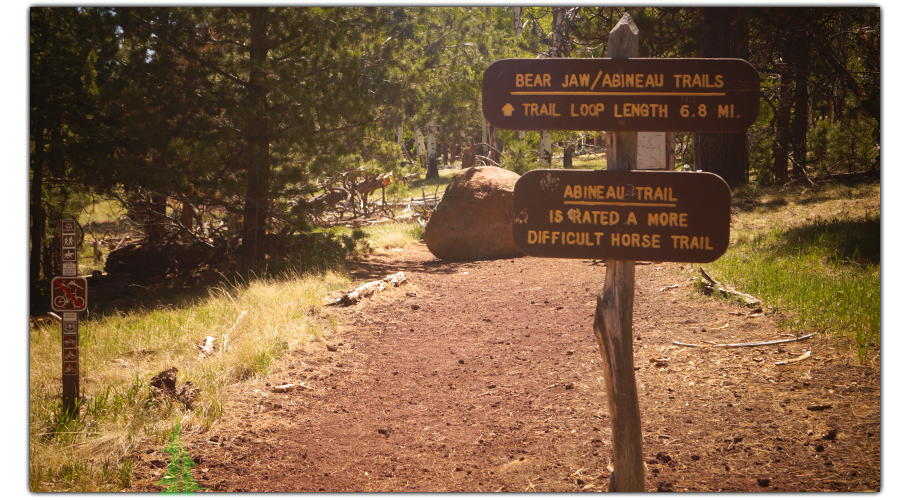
[{"x": 663, "y": 95}]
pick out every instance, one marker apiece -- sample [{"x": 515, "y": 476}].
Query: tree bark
[
  {"x": 431, "y": 172},
  {"x": 258, "y": 167},
  {"x": 726, "y": 35},
  {"x": 781, "y": 145},
  {"x": 799, "y": 48},
  {"x": 38, "y": 216}
]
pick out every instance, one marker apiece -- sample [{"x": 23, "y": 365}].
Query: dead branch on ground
[{"x": 749, "y": 344}]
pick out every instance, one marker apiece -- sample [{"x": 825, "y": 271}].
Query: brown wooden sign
[
  {"x": 661, "y": 95},
  {"x": 624, "y": 215}
]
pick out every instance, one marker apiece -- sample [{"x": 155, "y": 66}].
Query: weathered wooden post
[
  {"x": 615, "y": 305},
  {"x": 621, "y": 214}
]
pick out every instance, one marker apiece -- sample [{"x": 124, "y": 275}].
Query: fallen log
[
  {"x": 330, "y": 197},
  {"x": 377, "y": 182},
  {"x": 726, "y": 291},
  {"x": 369, "y": 289}
]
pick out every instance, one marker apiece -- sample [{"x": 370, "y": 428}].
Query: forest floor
[{"x": 486, "y": 376}]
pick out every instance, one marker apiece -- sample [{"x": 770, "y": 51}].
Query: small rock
[
  {"x": 663, "y": 457},
  {"x": 331, "y": 348},
  {"x": 570, "y": 386},
  {"x": 831, "y": 435},
  {"x": 764, "y": 481},
  {"x": 666, "y": 486},
  {"x": 820, "y": 448},
  {"x": 415, "y": 307}
]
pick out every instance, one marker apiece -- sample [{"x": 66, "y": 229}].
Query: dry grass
[{"x": 119, "y": 354}]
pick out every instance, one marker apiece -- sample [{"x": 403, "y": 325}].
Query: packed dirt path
[{"x": 485, "y": 376}]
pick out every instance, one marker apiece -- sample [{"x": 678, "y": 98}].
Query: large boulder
[{"x": 474, "y": 219}]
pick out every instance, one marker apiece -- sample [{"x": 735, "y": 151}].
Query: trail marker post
[
  {"x": 68, "y": 295},
  {"x": 621, "y": 215}
]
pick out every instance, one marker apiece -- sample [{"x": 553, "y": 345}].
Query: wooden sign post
[
  {"x": 615, "y": 306},
  {"x": 68, "y": 295},
  {"x": 621, "y": 215}
]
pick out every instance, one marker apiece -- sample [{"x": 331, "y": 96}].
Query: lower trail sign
[{"x": 651, "y": 216}]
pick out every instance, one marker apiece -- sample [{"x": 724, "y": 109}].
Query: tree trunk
[
  {"x": 726, "y": 155},
  {"x": 494, "y": 141},
  {"x": 546, "y": 149},
  {"x": 155, "y": 228},
  {"x": 38, "y": 216},
  {"x": 258, "y": 167},
  {"x": 431, "y": 172},
  {"x": 799, "y": 49},
  {"x": 782, "y": 141}
]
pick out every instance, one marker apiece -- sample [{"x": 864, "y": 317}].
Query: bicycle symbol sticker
[{"x": 68, "y": 294}]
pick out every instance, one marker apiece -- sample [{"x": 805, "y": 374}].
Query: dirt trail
[{"x": 485, "y": 376}]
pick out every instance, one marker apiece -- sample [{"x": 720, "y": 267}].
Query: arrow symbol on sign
[{"x": 508, "y": 109}]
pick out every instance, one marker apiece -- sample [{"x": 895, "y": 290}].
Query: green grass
[
  {"x": 590, "y": 162},
  {"x": 814, "y": 257},
  {"x": 399, "y": 192}
]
